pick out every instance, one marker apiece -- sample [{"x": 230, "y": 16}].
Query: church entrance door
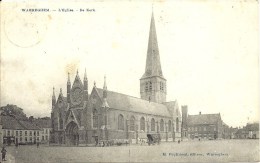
[{"x": 72, "y": 134}]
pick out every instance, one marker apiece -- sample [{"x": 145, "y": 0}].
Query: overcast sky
[{"x": 208, "y": 49}]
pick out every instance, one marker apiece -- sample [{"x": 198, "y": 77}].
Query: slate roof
[
  {"x": 10, "y": 122},
  {"x": 128, "y": 103},
  {"x": 153, "y": 64},
  {"x": 29, "y": 126},
  {"x": 43, "y": 123},
  {"x": 252, "y": 127},
  {"x": 170, "y": 105},
  {"x": 203, "y": 119}
]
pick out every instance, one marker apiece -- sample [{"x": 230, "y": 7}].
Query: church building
[{"x": 81, "y": 118}]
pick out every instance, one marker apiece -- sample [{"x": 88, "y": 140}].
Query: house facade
[
  {"x": 203, "y": 126},
  {"x": 19, "y": 131}
]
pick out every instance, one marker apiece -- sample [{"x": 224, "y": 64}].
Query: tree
[{"x": 13, "y": 110}]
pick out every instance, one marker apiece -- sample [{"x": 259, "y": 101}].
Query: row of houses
[
  {"x": 211, "y": 126},
  {"x": 15, "y": 131},
  {"x": 201, "y": 126},
  {"x": 250, "y": 131},
  {"x": 194, "y": 127}
]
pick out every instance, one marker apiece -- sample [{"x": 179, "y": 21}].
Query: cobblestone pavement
[{"x": 192, "y": 151}]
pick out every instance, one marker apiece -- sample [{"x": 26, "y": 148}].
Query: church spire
[
  {"x": 153, "y": 64},
  {"x": 105, "y": 104},
  {"x": 85, "y": 82},
  {"x": 53, "y": 93},
  {"x": 152, "y": 83},
  {"x": 53, "y": 97},
  {"x": 85, "y": 75},
  {"x": 60, "y": 91},
  {"x": 68, "y": 88},
  {"x": 68, "y": 82},
  {"x": 105, "y": 88}
]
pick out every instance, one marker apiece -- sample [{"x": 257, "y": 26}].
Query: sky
[{"x": 208, "y": 49}]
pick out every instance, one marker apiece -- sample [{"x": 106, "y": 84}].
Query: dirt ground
[{"x": 191, "y": 151}]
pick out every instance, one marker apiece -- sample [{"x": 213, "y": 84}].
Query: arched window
[
  {"x": 120, "y": 122},
  {"x": 151, "y": 86},
  {"x": 152, "y": 125},
  {"x": 95, "y": 118},
  {"x": 161, "y": 86},
  {"x": 132, "y": 123},
  {"x": 142, "y": 124},
  {"x": 170, "y": 126},
  {"x": 177, "y": 124},
  {"x": 61, "y": 121},
  {"x": 61, "y": 124},
  {"x": 161, "y": 125},
  {"x": 146, "y": 86}
]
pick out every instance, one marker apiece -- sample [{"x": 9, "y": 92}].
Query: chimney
[{"x": 200, "y": 112}]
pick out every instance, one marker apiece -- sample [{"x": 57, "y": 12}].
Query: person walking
[{"x": 3, "y": 151}]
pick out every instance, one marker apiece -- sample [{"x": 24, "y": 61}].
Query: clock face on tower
[{"x": 76, "y": 96}]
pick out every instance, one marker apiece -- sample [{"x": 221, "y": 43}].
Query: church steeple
[
  {"x": 153, "y": 63},
  {"x": 53, "y": 98},
  {"x": 105, "y": 104},
  {"x": 105, "y": 88},
  {"x": 153, "y": 83},
  {"x": 85, "y": 82},
  {"x": 68, "y": 89}
]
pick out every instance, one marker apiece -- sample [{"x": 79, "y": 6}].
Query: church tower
[{"x": 152, "y": 83}]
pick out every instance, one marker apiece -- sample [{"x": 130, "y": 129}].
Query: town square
[{"x": 193, "y": 151}]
